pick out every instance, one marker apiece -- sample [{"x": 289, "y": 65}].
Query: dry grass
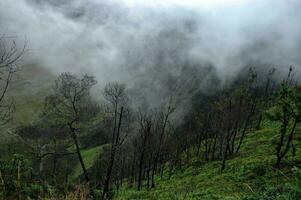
[{"x": 81, "y": 192}]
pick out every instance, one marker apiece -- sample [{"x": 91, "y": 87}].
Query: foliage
[{"x": 15, "y": 177}]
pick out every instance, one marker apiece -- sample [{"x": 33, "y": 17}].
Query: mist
[{"x": 146, "y": 44}]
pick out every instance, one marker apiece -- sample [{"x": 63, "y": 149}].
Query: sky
[
  {"x": 147, "y": 43},
  {"x": 199, "y": 3},
  {"x": 213, "y": 4}
]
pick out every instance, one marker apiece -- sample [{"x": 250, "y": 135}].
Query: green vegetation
[
  {"x": 248, "y": 175},
  {"x": 90, "y": 156}
]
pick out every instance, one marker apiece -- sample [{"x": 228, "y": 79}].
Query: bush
[
  {"x": 15, "y": 176},
  {"x": 296, "y": 186}
]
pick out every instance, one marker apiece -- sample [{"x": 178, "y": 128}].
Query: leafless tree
[
  {"x": 162, "y": 121},
  {"x": 146, "y": 122},
  {"x": 67, "y": 106},
  {"x": 117, "y": 111},
  {"x": 10, "y": 56}
]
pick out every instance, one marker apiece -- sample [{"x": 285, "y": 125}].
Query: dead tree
[
  {"x": 66, "y": 105},
  {"x": 145, "y": 123},
  {"x": 161, "y": 124},
  {"x": 10, "y": 56},
  {"x": 267, "y": 94},
  {"x": 252, "y": 103},
  {"x": 117, "y": 99}
]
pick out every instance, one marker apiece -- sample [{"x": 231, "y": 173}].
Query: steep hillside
[
  {"x": 90, "y": 156},
  {"x": 249, "y": 175},
  {"x": 27, "y": 91},
  {"x": 29, "y": 87}
]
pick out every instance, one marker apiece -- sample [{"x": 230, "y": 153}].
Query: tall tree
[
  {"x": 146, "y": 122},
  {"x": 67, "y": 106},
  {"x": 117, "y": 99}
]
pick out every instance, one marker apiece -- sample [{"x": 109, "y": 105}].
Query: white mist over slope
[{"x": 147, "y": 41}]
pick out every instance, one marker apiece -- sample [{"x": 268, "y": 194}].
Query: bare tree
[
  {"x": 10, "y": 55},
  {"x": 266, "y": 95},
  {"x": 116, "y": 96},
  {"x": 163, "y": 118},
  {"x": 67, "y": 106},
  {"x": 288, "y": 112},
  {"x": 146, "y": 122}
]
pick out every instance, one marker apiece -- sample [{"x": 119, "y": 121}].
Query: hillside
[
  {"x": 90, "y": 156},
  {"x": 249, "y": 175},
  {"x": 30, "y": 86},
  {"x": 150, "y": 100}
]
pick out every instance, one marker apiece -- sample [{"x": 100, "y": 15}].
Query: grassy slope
[
  {"x": 248, "y": 174},
  {"x": 28, "y": 90},
  {"x": 89, "y": 156}
]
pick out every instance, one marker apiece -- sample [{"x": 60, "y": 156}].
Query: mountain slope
[
  {"x": 28, "y": 89},
  {"x": 249, "y": 175}
]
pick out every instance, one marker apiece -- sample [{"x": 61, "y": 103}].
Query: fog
[{"x": 145, "y": 43}]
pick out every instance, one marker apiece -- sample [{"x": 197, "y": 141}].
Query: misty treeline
[{"x": 138, "y": 141}]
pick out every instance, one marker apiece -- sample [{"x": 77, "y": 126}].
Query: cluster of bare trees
[
  {"x": 146, "y": 142},
  {"x": 219, "y": 130},
  {"x": 217, "y": 127},
  {"x": 149, "y": 144},
  {"x": 69, "y": 107}
]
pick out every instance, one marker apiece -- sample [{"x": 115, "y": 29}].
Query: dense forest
[{"x": 181, "y": 130}]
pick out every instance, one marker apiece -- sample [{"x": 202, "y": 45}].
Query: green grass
[
  {"x": 89, "y": 157},
  {"x": 248, "y": 175}
]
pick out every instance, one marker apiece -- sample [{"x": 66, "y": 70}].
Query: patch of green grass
[{"x": 89, "y": 157}]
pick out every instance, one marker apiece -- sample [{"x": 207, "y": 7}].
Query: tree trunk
[
  {"x": 214, "y": 147},
  {"x": 140, "y": 171},
  {"x": 246, "y": 125},
  {"x": 288, "y": 143},
  {"x": 112, "y": 158},
  {"x": 80, "y": 158}
]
